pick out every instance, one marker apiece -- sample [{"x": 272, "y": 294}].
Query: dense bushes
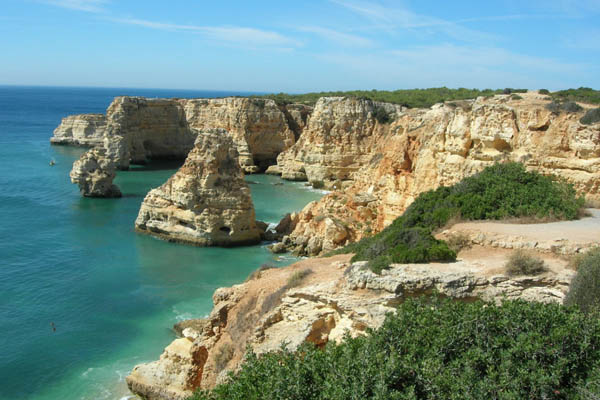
[
  {"x": 569, "y": 106},
  {"x": 438, "y": 349},
  {"x": 583, "y": 94},
  {"x": 499, "y": 191},
  {"x": 414, "y": 98},
  {"x": 584, "y": 290},
  {"x": 591, "y": 117}
]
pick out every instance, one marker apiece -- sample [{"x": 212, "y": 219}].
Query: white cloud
[
  {"x": 95, "y": 6},
  {"x": 230, "y": 34},
  {"x": 341, "y": 38}
]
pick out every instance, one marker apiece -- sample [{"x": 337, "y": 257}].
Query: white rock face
[
  {"x": 94, "y": 173},
  {"x": 207, "y": 202},
  {"x": 81, "y": 130}
]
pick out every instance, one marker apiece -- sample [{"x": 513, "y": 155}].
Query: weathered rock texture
[
  {"x": 94, "y": 173},
  {"x": 206, "y": 202},
  {"x": 81, "y": 130},
  {"x": 136, "y": 129},
  {"x": 335, "y": 299},
  {"x": 378, "y": 169}
]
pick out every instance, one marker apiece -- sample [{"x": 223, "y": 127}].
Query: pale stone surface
[
  {"x": 94, "y": 173},
  {"x": 81, "y": 130},
  {"x": 377, "y": 170},
  {"x": 206, "y": 202}
]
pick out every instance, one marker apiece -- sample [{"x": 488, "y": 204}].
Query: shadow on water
[{"x": 157, "y": 165}]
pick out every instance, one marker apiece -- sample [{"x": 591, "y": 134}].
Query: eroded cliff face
[
  {"x": 206, "y": 202},
  {"x": 381, "y": 168},
  {"x": 337, "y": 141},
  {"x": 259, "y": 127},
  {"x": 81, "y": 130},
  {"x": 136, "y": 129}
]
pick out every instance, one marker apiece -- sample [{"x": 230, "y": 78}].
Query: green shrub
[
  {"x": 516, "y": 97},
  {"x": 584, "y": 290},
  {"x": 583, "y": 94},
  {"x": 499, "y": 191},
  {"x": 522, "y": 263},
  {"x": 543, "y": 91},
  {"x": 591, "y": 117},
  {"x": 381, "y": 115},
  {"x": 569, "y": 106},
  {"x": 437, "y": 349}
]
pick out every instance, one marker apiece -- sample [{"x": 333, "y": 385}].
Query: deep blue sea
[{"x": 112, "y": 295}]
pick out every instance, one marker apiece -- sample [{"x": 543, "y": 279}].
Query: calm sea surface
[{"x": 112, "y": 294}]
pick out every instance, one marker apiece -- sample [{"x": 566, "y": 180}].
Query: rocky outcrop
[
  {"x": 259, "y": 127},
  {"x": 94, "y": 173},
  {"x": 337, "y": 141},
  {"x": 378, "y": 169},
  {"x": 81, "y": 130},
  {"x": 337, "y": 298},
  {"x": 138, "y": 129},
  {"x": 206, "y": 202}
]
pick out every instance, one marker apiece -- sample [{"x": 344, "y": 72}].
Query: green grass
[
  {"x": 438, "y": 349},
  {"x": 500, "y": 191}
]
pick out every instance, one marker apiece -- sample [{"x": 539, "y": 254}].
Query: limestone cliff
[
  {"x": 380, "y": 168},
  {"x": 136, "y": 129},
  {"x": 206, "y": 202},
  {"x": 81, "y": 130}
]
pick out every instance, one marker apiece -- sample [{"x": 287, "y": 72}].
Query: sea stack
[
  {"x": 94, "y": 173},
  {"x": 206, "y": 202}
]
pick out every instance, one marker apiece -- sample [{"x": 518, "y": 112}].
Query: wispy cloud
[
  {"x": 231, "y": 34},
  {"x": 394, "y": 18},
  {"x": 341, "y": 38},
  {"x": 95, "y": 6}
]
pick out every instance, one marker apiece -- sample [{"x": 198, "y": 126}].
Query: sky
[{"x": 300, "y": 46}]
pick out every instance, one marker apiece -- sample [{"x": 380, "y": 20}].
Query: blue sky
[{"x": 300, "y": 46}]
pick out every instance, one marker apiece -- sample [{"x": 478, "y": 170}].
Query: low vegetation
[
  {"x": 498, "y": 192},
  {"x": 438, "y": 349},
  {"x": 568, "y": 106},
  {"x": 591, "y": 117},
  {"x": 521, "y": 262},
  {"x": 583, "y": 95},
  {"x": 458, "y": 241},
  {"x": 584, "y": 291},
  {"x": 413, "y": 98},
  {"x": 297, "y": 277}
]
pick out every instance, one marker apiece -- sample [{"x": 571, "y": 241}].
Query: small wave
[{"x": 85, "y": 374}]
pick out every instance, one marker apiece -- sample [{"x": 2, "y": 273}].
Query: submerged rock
[
  {"x": 207, "y": 202},
  {"x": 94, "y": 173}
]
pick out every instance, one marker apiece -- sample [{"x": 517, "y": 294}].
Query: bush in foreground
[
  {"x": 438, "y": 349},
  {"x": 584, "y": 291},
  {"x": 522, "y": 263},
  {"x": 499, "y": 191}
]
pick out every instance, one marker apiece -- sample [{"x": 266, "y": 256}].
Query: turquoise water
[{"x": 112, "y": 294}]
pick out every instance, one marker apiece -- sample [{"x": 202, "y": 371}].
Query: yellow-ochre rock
[{"x": 206, "y": 202}]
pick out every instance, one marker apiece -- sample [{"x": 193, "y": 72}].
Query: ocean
[{"x": 77, "y": 265}]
